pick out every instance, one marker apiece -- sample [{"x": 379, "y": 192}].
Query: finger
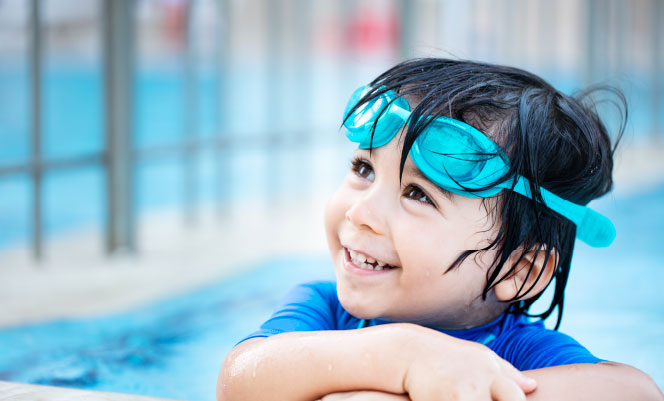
[
  {"x": 527, "y": 384},
  {"x": 505, "y": 389}
]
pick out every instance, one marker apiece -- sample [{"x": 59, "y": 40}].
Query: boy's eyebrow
[{"x": 413, "y": 170}]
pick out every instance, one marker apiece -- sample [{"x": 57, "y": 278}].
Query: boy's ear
[{"x": 520, "y": 278}]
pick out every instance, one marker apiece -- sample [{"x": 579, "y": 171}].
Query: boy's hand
[
  {"x": 364, "y": 396},
  {"x": 445, "y": 368}
]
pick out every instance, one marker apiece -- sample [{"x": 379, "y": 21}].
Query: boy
[{"x": 462, "y": 204}]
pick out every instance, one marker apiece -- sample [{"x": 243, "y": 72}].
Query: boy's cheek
[{"x": 333, "y": 217}]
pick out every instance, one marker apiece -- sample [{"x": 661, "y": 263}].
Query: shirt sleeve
[
  {"x": 307, "y": 307},
  {"x": 534, "y": 347}
]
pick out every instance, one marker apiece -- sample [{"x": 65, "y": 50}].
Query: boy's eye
[
  {"x": 362, "y": 169},
  {"x": 416, "y": 193}
]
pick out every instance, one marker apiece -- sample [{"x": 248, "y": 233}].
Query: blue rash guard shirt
[{"x": 525, "y": 344}]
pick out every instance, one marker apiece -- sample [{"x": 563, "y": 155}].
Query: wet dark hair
[{"x": 556, "y": 141}]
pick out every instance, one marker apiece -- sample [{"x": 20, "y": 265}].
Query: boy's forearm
[
  {"x": 601, "y": 381},
  {"x": 307, "y": 365}
]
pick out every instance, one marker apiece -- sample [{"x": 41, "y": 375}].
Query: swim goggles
[{"x": 460, "y": 159}]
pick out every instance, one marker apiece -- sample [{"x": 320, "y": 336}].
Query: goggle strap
[{"x": 592, "y": 228}]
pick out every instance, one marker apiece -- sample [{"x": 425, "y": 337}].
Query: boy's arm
[
  {"x": 604, "y": 381},
  {"x": 393, "y": 358},
  {"x": 305, "y": 366}
]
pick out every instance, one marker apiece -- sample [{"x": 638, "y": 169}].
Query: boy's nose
[{"x": 363, "y": 214}]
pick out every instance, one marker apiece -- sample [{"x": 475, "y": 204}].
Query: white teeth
[
  {"x": 366, "y": 262},
  {"x": 369, "y": 267}
]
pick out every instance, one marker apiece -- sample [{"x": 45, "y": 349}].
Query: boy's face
[{"x": 417, "y": 230}]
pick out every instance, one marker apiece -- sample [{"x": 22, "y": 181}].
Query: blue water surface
[{"x": 172, "y": 348}]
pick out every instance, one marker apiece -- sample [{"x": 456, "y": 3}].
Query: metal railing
[{"x": 119, "y": 157}]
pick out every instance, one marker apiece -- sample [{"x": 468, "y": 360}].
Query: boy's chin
[{"x": 356, "y": 305}]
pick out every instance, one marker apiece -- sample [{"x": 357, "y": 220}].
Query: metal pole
[
  {"x": 223, "y": 67},
  {"x": 301, "y": 111},
  {"x": 118, "y": 64},
  {"x": 303, "y": 34},
  {"x": 621, "y": 12},
  {"x": 657, "y": 69},
  {"x": 190, "y": 117},
  {"x": 591, "y": 42},
  {"x": 274, "y": 37},
  {"x": 547, "y": 16},
  {"x": 407, "y": 28},
  {"x": 347, "y": 70},
  {"x": 35, "y": 72}
]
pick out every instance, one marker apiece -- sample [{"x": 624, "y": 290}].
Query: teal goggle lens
[
  {"x": 388, "y": 109},
  {"x": 458, "y": 159}
]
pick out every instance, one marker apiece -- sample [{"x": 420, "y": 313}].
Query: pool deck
[
  {"x": 77, "y": 280},
  {"x": 31, "y": 392}
]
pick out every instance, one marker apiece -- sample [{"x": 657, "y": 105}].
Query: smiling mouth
[{"x": 366, "y": 262}]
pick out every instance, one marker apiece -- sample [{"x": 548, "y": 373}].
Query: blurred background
[{"x": 150, "y": 148}]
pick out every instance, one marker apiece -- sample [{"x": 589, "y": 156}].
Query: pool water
[{"x": 173, "y": 348}]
